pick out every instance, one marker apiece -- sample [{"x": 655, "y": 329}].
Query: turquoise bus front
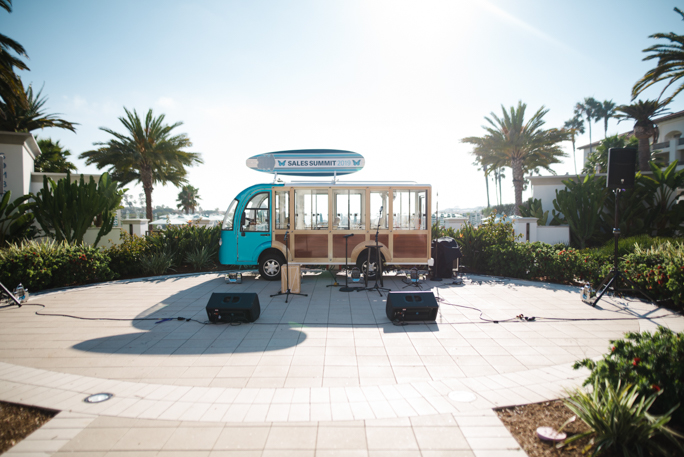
[{"x": 246, "y": 230}]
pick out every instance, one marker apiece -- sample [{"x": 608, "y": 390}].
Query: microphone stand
[
  {"x": 378, "y": 274},
  {"x": 288, "y": 292}
]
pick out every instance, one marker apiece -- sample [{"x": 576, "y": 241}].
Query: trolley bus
[{"x": 316, "y": 219}]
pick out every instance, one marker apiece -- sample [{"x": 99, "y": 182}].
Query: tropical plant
[
  {"x": 580, "y": 205},
  {"x": 16, "y": 221},
  {"x": 619, "y": 420},
  {"x": 187, "y": 199},
  {"x": 643, "y": 113},
  {"x": 66, "y": 209},
  {"x": 652, "y": 362},
  {"x": 670, "y": 66},
  {"x": 600, "y": 156},
  {"x": 51, "y": 264},
  {"x": 522, "y": 145},
  {"x": 157, "y": 263},
  {"x": 533, "y": 208},
  {"x": 605, "y": 110},
  {"x": 590, "y": 110},
  {"x": 11, "y": 88},
  {"x": 53, "y": 157},
  {"x": 633, "y": 210},
  {"x": 666, "y": 211},
  {"x": 146, "y": 153},
  {"x": 574, "y": 126},
  {"x": 200, "y": 257},
  {"x": 30, "y": 116}
]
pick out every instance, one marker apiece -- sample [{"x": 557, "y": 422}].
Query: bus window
[
  {"x": 255, "y": 217},
  {"x": 350, "y": 209},
  {"x": 409, "y": 210},
  {"x": 378, "y": 200},
  {"x": 311, "y": 209},
  {"x": 230, "y": 216},
  {"x": 282, "y": 210}
]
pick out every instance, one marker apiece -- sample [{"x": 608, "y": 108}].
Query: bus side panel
[{"x": 228, "y": 248}]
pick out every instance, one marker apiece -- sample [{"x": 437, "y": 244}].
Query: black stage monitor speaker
[
  {"x": 621, "y": 168},
  {"x": 411, "y": 306},
  {"x": 233, "y": 307}
]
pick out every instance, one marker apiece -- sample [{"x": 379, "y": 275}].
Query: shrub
[
  {"x": 180, "y": 241},
  {"x": 619, "y": 419},
  {"x": 658, "y": 270},
  {"x": 200, "y": 257},
  {"x": 650, "y": 362},
  {"x": 52, "y": 264},
  {"x": 157, "y": 263},
  {"x": 627, "y": 245},
  {"x": 474, "y": 241},
  {"x": 536, "y": 261},
  {"x": 125, "y": 258}
]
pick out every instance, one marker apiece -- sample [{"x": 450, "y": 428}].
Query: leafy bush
[
  {"x": 650, "y": 362},
  {"x": 474, "y": 241},
  {"x": 180, "y": 241},
  {"x": 627, "y": 245},
  {"x": 200, "y": 257},
  {"x": 658, "y": 270},
  {"x": 16, "y": 221},
  {"x": 618, "y": 417},
  {"x": 537, "y": 261},
  {"x": 52, "y": 264},
  {"x": 125, "y": 258},
  {"x": 157, "y": 263}
]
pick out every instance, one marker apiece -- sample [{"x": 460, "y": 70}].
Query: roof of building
[{"x": 596, "y": 143}]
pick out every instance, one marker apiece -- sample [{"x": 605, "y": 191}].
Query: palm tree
[
  {"x": 605, "y": 111},
  {"x": 588, "y": 109},
  {"x": 53, "y": 157},
  {"x": 643, "y": 113},
  {"x": 574, "y": 127},
  {"x": 522, "y": 145},
  {"x": 187, "y": 199},
  {"x": 10, "y": 85},
  {"x": 146, "y": 153},
  {"x": 17, "y": 118},
  {"x": 670, "y": 64}
]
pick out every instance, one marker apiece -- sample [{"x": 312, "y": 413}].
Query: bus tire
[
  {"x": 362, "y": 262},
  {"x": 270, "y": 266}
]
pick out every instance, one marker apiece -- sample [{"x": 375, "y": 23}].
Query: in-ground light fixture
[{"x": 98, "y": 398}]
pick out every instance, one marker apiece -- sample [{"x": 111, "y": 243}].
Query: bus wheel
[
  {"x": 270, "y": 266},
  {"x": 362, "y": 263}
]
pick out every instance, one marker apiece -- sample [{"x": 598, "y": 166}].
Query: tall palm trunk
[
  {"x": 574, "y": 158},
  {"x": 643, "y": 133},
  {"x": 146, "y": 178},
  {"x": 487, "y": 184},
  {"x": 518, "y": 181}
]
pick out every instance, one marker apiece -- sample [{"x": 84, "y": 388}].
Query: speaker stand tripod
[
  {"x": 287, "y": 292},
  {"x": 378, "y": 287},
  {"x": 611, "y": 281}
]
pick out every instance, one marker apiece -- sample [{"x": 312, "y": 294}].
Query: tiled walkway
[{"x": 322, "y": 375}]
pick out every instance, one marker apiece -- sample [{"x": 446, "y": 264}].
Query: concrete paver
[{"x": 322, "y": 375}]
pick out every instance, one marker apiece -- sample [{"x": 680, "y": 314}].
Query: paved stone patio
[{"x": 322, "y": 375}]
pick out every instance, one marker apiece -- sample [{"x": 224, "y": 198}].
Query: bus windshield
[{"x": 230, "y": 216}]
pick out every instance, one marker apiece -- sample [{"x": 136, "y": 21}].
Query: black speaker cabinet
[
  {"x": 233, "y": 307},
  {"x": 621, "y": 168},
  {"x": 411, "y": 306}
]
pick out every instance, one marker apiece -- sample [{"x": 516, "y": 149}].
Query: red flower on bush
[
  {"x": 655, "y": 387},
  {"x": 613, "y": 350},
  {"x": 636, "y": 361}
]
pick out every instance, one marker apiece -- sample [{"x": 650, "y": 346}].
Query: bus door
[{"x": 255, "y": 228}]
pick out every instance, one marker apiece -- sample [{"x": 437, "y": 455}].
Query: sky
[{"x": 400, "y": 82}]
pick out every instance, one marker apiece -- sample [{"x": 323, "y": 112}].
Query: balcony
[{"x": 668, "y": 151}]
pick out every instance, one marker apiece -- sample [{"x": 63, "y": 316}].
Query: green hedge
[{"x": 48, "y": 265}]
